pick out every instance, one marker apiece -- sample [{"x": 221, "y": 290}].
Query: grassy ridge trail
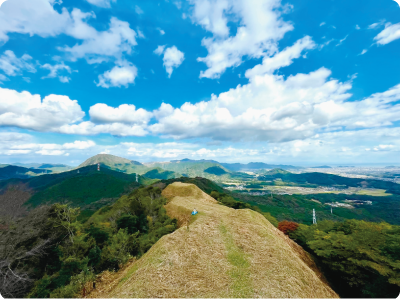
[{"x": 225, "y": 253}]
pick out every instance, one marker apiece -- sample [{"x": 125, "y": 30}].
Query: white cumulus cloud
[
  {"x": 17, "y": 147},
  {"x": 173, "y": 58},
  {"x": 117, "y": 129},
  {"x": 122, "y": 74},
  {"x": 34, "y": 16},
  {"x": 29, "y": 111},
  {"x": 275, "y": 109},
  {"x": 100, "y": 46},
  {"x": 260, "y": 28},
  {"x": 125, "y": 113}
]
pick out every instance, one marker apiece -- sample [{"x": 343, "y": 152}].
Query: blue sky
[{"x": 300, "y": 82}]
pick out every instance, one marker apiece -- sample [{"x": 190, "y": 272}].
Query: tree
[
  {"x": 15, "y": 281},
  {"x": 64, "y": 216},
  {"x": 287, "y": 227}
]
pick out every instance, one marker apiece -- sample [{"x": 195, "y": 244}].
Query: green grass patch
[{"x": 240, "y": 273}]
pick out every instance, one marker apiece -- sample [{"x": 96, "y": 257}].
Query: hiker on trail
[{"x": 194, "y": 212}]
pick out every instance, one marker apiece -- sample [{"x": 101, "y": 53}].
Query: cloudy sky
[{"x": 300, "y": 82}]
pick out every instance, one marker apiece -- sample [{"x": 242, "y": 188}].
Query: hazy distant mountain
[
  {"x": 18, "y": 172},
  {"x": 116, "y": 163},
  {"x": 322, "y": 167},
  {"x": 194, "y": 160},
  {"x": 159, "y": 173},
  {"x": 27, "y": 165},
  {"x": 191, "y": 168},
  {"x": 49, "y": 166},
  {"x": 256, "y": 166}
]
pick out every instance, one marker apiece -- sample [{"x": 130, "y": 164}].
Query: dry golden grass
[{"x": 226, "y": 253}]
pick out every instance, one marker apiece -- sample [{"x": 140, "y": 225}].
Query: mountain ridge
[{"x": 223, "y": 253}]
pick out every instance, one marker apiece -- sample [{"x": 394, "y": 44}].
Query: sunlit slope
[{"x": 225, "y": 253}]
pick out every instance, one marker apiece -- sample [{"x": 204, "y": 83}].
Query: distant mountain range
[
  {"x": 322, "y": 167},
  {"x": 18, "y": 172},
  {"x": 164, "y": 170},
  {"x": 253, "y": 166},
  {"x": 209, "y": 169}
]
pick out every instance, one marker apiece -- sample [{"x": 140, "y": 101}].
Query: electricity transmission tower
[{"x": 314, "y": 219}]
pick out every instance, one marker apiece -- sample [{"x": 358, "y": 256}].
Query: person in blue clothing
[{"x": 194, "y": 212}]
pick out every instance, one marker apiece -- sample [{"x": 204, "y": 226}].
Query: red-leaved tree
[{"x": 286, "y": 226}]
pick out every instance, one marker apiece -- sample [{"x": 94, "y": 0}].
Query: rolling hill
[
  {"x": 215, "y": 170},
  {"x": 223, "y": 253},
  {"x": 276, "y": 171},
  {"x": 159, "y": 173}
]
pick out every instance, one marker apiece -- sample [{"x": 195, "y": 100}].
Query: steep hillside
[
  {"x": 79, "y": 189},
  {"x": 225, "y": 253},
  {"x": 116, "y": 163}
]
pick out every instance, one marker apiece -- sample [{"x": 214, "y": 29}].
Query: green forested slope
[
  {"x": 83, "y": 190},
  {"x": 78, "y": 189}
]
